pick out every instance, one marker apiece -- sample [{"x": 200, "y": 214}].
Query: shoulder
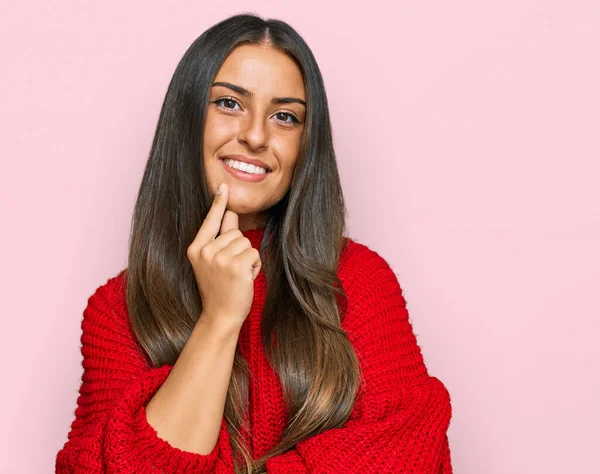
[
  {"x": 377, "y": 320},
  {"x": 106, "y": 326},
  {"x": 112, "y": 292},
  {"x": 363, "y": 266},
  {"x": 107, "y": 306},
  {"x": 371, "y": 286}
]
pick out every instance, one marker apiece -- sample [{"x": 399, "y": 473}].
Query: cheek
[
  {"x": 217, "y": 131},
  {"x": 287, "y": 148}
]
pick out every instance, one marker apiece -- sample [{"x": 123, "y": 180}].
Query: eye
[
  {"x": 227, "y": 103},
  {"x": 287, "y": 115}
]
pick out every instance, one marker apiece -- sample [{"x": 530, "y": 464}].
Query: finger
[
  {"x": 252, "y": 259},
  {"x": 256, "y": 269},
  {"x": 221, "y": 242},
  {"x": 212, "y": 222},
  {"x": 236, "y": 246},
  {"x": 230, "y": 221}
]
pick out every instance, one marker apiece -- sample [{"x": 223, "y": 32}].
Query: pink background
[{"x": 467, "y": 136}]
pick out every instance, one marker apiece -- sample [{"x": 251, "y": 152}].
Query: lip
[
  {"x": 245, "y": 159},
  {"x": 242, "y": 175}
]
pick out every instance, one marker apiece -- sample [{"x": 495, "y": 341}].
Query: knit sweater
[{"x": 398, "y": 423}]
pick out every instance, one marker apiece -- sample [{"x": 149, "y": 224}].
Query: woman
[{"x": 247, "y": 334}]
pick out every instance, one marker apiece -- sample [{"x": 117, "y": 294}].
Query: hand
[{"x": 225, "y": 266}]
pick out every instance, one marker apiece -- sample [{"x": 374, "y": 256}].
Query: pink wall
[{"x": 468, "y": 140}]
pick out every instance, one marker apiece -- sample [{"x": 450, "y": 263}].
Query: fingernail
[{"x": 220, "y": 188}]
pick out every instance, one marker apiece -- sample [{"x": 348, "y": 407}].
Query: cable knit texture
[{"x": 398, "y": 424}]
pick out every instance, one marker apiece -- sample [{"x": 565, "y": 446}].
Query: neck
[{"x": 248, "y": 222}]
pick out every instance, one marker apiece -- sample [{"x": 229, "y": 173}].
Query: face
[{"x": 256, "y": 110}]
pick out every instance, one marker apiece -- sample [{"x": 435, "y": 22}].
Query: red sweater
[{"x": 398, "y": 425}]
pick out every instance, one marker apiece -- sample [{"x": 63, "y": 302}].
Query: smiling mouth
[
  {"x": 225, "y": 160},
  {"x": 243, "y": 175}
]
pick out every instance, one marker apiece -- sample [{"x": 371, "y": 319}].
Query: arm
[
  {"x": 111, "y": 432},
  {"x": 401, "y": 415},
  {"x": 187, "y": 410}
]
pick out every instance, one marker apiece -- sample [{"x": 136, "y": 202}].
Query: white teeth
[{"x": 238, "y": 165}]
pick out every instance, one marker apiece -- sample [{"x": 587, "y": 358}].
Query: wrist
[{"x": 218, "y": 328}]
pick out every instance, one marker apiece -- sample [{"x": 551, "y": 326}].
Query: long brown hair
[{"x": 301, "y": 247}]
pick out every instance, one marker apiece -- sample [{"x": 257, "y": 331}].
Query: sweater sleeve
[
  {"x": 401, "y": 415},
  {"x": 110, "y": 432}
]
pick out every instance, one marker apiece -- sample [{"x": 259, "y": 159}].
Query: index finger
[{"x": 212, "y": 222}]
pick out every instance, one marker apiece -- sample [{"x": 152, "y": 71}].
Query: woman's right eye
[{"x": 228, "y": 103}]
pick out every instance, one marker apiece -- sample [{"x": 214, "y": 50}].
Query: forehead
[{"x": 263, "y": 70}]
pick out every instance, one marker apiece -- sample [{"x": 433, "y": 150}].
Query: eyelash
[{"x": 295, "y": 119}]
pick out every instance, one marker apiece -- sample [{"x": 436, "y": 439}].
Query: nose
[{"x": 253, "y": 132}]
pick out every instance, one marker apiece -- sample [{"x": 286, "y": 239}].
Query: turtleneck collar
[{"x": 255, "y": 236}]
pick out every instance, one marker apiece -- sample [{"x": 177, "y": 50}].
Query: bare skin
[
  {"x": 187, "y": 410},
  {"x": 254, "y": 127}
]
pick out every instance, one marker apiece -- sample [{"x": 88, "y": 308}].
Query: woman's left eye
[{"x": 287, "y": 115}]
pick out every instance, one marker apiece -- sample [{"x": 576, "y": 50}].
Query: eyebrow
[{"x": 247, "y": 93}]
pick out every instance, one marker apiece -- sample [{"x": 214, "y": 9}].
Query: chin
[{"x": 240, "y": 210}]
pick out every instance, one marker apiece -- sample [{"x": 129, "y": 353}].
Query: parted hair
[{"x": 300, "y": 251}]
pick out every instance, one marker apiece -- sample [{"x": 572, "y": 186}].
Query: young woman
[{"x": 247, "y": 334}]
